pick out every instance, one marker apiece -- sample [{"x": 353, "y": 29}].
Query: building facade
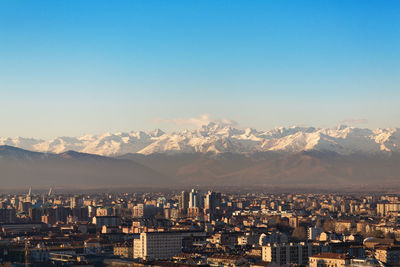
[
  {"x": 289, "y": 253},
  {"x": 157, "y": 245},
  {"x": 329, "y": 260}
]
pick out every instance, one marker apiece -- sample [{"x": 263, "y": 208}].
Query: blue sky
[{"x": 75, "y": 67}]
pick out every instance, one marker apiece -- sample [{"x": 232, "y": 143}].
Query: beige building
[
  {"x": 124, "y": 250},
  {"x": 344, "y": 226},
  {"x": 388, "y": 254},
  {"x": 384, "y": 209},
  {"x": 328, "y": 259}
]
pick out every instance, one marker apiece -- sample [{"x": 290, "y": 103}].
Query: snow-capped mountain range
[{"x": 221, "y": 138}]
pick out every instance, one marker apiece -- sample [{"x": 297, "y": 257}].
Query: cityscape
[
  {"x": 199, "y": 227},
  {"x": 215, "y": 133}
]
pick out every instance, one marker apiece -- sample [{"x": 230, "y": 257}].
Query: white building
[
  {"x": 160, "y": 245},
  {"x": 194, "y": 201},
  {"x": 157, "y": 245}
]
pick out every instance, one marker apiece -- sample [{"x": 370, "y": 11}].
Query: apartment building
[
  {"x": 289, "y": 253},
  {"x": 388, "y": 254},
  {"x": 161, "y": 245},
  {"x": 157, "y": 245},
  {"x": 328, "y": 259}
]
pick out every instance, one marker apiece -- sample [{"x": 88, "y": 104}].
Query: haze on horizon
[{"x": 69, "y": 68}]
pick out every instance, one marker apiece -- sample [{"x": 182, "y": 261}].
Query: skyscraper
[
  {"x": 184, "y": 202},
  {"x": 194, "y": 200},
  {"x": 194, "y": 204},
  {"x": 210, "y": 202},
  {"x": 29, "y": 195},
  {"x": 74, "y": 202}
]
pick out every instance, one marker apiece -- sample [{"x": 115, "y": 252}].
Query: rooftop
[{"x": 330, "y": 255}]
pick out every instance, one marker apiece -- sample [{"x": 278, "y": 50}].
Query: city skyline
[
  {"x": 73, "y": 68},
  {"x": 207, "y": 228},
  {"x": 199, "y": 133}
]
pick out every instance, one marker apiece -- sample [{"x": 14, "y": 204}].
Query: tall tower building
[
  {"x": 74, "y": 202},
  {"x": 29, "y": 195},
  {"x": 184, "y": 201},
  {"x": 194, "y": 200},
  {"x": 210, "y": 202},
  {"x": 50, "y": 192},
  {"x": 194, "y": 204}
]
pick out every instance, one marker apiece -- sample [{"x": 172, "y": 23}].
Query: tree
[
  {"x": 390, "y": 236},
  {"x": 319, "y": 223},
  {"x": 377, "y": 233},
  {"x": 329, "y": 226},
  {"x": 299, "y": 233}
]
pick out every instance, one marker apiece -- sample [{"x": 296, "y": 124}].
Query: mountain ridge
[
  {"x": 20, "y": 167},
  {"x": 222, "y": 138},
  {"x": 306, "y": 168}
]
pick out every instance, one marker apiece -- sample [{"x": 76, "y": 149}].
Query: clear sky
[{"x": 74, "y": 67}]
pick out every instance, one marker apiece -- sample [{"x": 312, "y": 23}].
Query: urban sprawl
[{"x": 199, "y": 227}]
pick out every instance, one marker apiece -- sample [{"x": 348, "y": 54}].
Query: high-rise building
[
  {"x": 194, "y": 199},
  {"x": 194, "y": 209},
  {"x": 24, "y": 206},
  {"x": 184, "y": 201},
  {"x": 210, "y": 203},
  {"x": 35, "y": 214},
  {"x": 104, "y": 211},
  {"x": 74, "y": 202},
  {"x": 7, "y": 215},
  {"x": 82, "y": 213},
  {"x": 29, "y": 195},
  {"x": 144, "y": 211},
  {"x": 61, "y": 214},
  {"x": 386, "y": 208}
]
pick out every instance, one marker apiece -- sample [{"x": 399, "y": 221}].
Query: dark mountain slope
[{"x": 21, "y": 168}]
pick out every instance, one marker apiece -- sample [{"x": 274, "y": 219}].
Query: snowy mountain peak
[
  {"x": 157, "y": 133},
  {"x": 221, "y": 137}
]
